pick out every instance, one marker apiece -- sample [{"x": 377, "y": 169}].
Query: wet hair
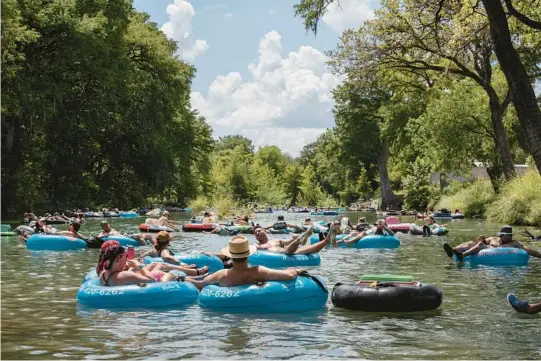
[
  {"x": 76, "y": 226},
  {"x": 108, "y": 256},
  {"x": 280, "y": 218},
  {"x": 246, "y": 218},
  {"x": 161, "y": 244}
]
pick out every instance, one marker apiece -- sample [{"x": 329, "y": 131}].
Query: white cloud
[
  {"x": 287, "y": 102},
  {"x": 179, "y": 28},
  {"x": 228, "y": 15},
  {"x": 346, "y": 14}
]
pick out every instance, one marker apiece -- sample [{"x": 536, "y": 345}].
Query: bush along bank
[{"x": 517, "y": 203}]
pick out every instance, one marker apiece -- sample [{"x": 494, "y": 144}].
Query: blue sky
[{"x": 259, "y": 73}]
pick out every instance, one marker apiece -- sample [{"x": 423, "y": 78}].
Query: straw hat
[{"x": 239, "y": 247}]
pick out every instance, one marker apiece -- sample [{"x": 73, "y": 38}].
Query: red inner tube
[
  {"x": 195, "y": 227},
  {"x": 399, "y": 227}
]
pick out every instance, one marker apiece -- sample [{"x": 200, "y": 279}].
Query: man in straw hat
[
  {"x": 238, "y": 251},
  {"x": 289, "y": 246},
  {"x": 506, "y": 241}
]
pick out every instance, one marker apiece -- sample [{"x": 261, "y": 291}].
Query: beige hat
[{"x": 239, "y": 247}]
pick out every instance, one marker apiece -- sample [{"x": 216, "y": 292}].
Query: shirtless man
[
  {"x": 381, "y": 229},
  {"x": 281, "y": 224},
  {"x": 106, "y": 230},
  {"x": 481, "y": 242},
  {"x": 506, "y": 241},
  {"x": 291, "y": 246},
  {"x": 241, "y": 274}
]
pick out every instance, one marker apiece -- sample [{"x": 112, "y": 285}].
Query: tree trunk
[
  {"x": 500, "y": 135},
  {"x": 523, "y": 95},
  {"x": 387, "y": 196}
]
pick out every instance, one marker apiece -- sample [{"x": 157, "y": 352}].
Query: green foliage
[
  {"x": 96, "y": 101},
  {"x": 199, "y": 204},
  {"x": 473, "y": 199},
  {"x": 417, "y": 190},
  {"x": 518, "y": 201}
]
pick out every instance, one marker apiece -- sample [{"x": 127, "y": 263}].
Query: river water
[{"x": 42, "y": 320}]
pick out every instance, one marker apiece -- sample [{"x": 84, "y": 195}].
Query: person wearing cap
[
  {"x": 164, "y": 221},
  {"x": 506, "y": 241},
  {"x": 523, "y": 306},
  {"x": 238, "y": 250},
  {"x": 290, "y": 246},
  {"x": 106, "y": 230},
  {"x": 160, "y": 249}
]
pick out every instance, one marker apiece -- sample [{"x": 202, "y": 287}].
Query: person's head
[
  {"x": 481, "y": 238},
  {"x": 162, "y": 240},
  {"x": 76, "y": 226},
  {"x": 239, "y": 249},
  {"x": 105, "y": 226},
  {"x": 260, "y": 234},
  {"x": 112, "y": 258},
  {"x": 56, "y": 213},
  {"x": 41, "y": 222},
  {"x": 361, "y": 220},
  {"x": 506, "y": 234},
  {"x": 307, "y": 220},
  {"x": 456, "y": 210},
  {"x": 280, "y": 218},
  {"x": 165, "y": 214},
  {"x": 430, "y": 220},
  {"x": 245, "y": 218},
  {"x": 206, "y": 214}
]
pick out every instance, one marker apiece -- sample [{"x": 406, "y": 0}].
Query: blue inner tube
[
  {"x": 123, "y": 240},
  {"x": 156, "y": 294},
  {"x": 501, "y": 256},
  {"x": 370, "y": 241},
  {"x": 128, "y": 215},
  {"x": 214, "y": 263},
  {"x": 280, "y": 260},
  {"x": 51, "y": 242},
  {"x": 300, "y": 294},
  {"x": 330, "y": 213}
]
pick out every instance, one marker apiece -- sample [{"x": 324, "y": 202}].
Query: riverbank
[{"x": 518, "y": 203}]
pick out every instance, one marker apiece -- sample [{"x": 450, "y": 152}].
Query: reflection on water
[{"x": 41, "y": 318}]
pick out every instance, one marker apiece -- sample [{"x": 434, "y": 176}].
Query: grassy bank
[{"x": 518, "y": 203}]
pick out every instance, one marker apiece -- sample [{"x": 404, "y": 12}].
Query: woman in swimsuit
[
  {"x": 163, "y": 240},
  {"x": 112, "y": 265}
]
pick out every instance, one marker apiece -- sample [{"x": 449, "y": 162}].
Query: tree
[
  {"x": 520, "y": 84},
  {"x": 232, "y": 141},
  {"x": 451, "y": 24}
]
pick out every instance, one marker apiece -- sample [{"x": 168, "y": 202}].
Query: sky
[{"x": 259, "y": 73}]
